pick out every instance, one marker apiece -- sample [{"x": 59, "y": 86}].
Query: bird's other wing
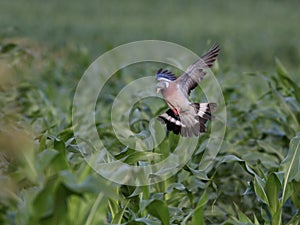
[
  {"x": 196, "y": 72},
  {"x": 165, "y": 75}
]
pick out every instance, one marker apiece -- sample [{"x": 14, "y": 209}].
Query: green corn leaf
[
  {"x": 290, "y": 165},
  {"x": 198, "y": 217},
  {"x": 259, "y": 188},
  {"x": 242, "y": 216},
  {"x": 295, "y": 220},
  {"x": 118, "y": 217},
  {"x": 296, "y": 194},
  {"x": 43, "y": 204},
  {"x": 159, "y": 209},
  {"x": 256, "y": 222},
  {"x": 273, "y": 187},
  {"x": 286, "y": 79}
]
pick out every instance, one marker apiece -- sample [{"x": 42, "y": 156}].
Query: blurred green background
[{"x": 251, "y": 33}]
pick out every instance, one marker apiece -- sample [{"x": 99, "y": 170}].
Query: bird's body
[
  {"x": 184, "y": 117},
  {"x": 174, "y": 99}
]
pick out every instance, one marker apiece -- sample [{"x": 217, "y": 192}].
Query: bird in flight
[{"x": 184, "y": 117}]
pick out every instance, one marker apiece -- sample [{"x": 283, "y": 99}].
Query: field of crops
[{"x": 46, "y": 178}]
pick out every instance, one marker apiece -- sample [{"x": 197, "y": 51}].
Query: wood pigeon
[{"x": 184, "y": 117}]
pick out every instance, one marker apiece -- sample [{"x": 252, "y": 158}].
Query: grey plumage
[{"x": 184, "y": 117}]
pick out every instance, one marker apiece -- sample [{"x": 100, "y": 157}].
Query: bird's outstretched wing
[{"x": 195, "y": 72}]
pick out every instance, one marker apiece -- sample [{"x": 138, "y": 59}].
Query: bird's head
[
  {"x": 164, "y": 77},
  {"x": 162, "y": 85}
]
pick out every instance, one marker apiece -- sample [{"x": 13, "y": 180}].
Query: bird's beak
[{"x": 157, "y": 90}]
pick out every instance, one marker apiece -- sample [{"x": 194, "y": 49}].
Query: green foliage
[
  {"x": 198, "y": 215},
  {"x": 159, "y": 209},
  {"x": 254, "y": 179}
]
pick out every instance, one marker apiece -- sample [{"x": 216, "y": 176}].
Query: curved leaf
[
  {"x": 159, "y": 209},
  {"x": 272, "y": 190},
  {"x": 259, "y": 187},
  {"x": 291, "y": 164}
]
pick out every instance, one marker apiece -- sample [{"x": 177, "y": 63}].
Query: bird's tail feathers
[
  {"x": 186, "y": 125},
  {"x": 205, "y": 110}
]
